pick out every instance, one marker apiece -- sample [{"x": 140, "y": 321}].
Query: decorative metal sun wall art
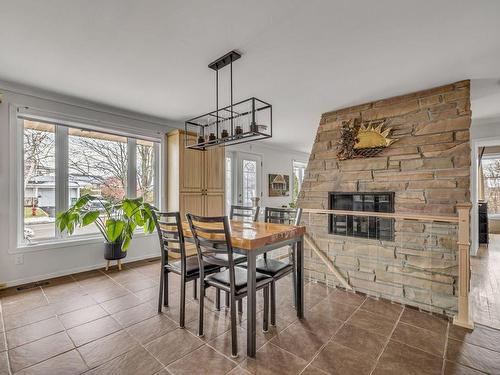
[{"x": 365, "y": 139}]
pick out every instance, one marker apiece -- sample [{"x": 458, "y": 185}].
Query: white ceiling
[{"x": 305, "y": 57}]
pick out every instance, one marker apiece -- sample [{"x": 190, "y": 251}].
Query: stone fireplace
[{"x": 425, "y": 171}]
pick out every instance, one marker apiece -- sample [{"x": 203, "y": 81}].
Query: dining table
[{"x": 256, "y": 238}]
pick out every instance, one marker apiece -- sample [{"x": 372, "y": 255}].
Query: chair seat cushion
[
  {"x": 271, "y": 267},
  {"x": 221, "y": 279},
  {"x": 192, "y": 266}
]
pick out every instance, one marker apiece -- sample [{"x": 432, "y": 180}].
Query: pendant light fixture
[{"x": 244, "y": 121}]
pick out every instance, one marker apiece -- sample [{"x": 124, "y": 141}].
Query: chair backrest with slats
[
  {"x": 169, "y": 229},
  {"x": 290, "y": 216},
  {"x": 212, "y": 236},
  {"x": 244, "y": 212}
]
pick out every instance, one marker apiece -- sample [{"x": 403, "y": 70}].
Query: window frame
[
  {"x": 302, "y": 165},
  {"x": 17, "y": 244}
]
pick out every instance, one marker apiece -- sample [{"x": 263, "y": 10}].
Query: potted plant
[{"x": 116, "y": 222}]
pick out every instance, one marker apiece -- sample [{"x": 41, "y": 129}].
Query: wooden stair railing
[{"x": 462, "y": 318}]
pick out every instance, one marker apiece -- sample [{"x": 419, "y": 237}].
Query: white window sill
[{"x": 67, "y": 242}]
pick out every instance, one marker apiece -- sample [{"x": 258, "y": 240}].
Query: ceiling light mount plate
[{"x": 227, "y": 59}]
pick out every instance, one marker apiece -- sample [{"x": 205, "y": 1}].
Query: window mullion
[
  {"x": 156, "y": 175},
  {"x": 61, "y": 172},
  {"x": 131, "y": 167}
]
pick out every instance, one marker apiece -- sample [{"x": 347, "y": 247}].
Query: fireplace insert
[{"x": 362, "y": 226}]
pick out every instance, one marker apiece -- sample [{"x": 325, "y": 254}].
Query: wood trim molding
[{"x": 386, "y": 215}]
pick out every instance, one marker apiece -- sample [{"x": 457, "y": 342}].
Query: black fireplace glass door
[{"x": 362, "y": 226}]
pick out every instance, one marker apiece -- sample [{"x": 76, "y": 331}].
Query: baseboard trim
[{"x": 71, "y": 271}]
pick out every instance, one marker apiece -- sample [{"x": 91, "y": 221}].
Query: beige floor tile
[
  {"x": 39, "y": 351},
  {"x": 310, "y": 343},
  {"x": 271, "y": 359},
  {"x": 102, "y": 350},
  {"x": 398, "y": 359},
  {"x": 202, "y": 361},
  {"x": 93, "y": 330},
  {"x": 173, "y": 345},
  {"x": 360, "y": 340},
  {"x": 134, "y": 362},
  {"x": 33, "y": 332},
  {"x": 152, "y": 328},
  {"x": 82, "y": 316},
  {"x": 422, "y": 339},
  {"x": 338, "y": 359},
  {"x": 135, "y": 314},
  {"x": 69, "y": 363}
]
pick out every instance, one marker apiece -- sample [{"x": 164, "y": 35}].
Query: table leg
[
  {"x": 300, "y": 278},
  {"x": 251, "y": 304}
]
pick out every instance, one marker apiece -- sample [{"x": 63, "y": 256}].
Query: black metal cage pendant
[{"x": 245, "y": 121}]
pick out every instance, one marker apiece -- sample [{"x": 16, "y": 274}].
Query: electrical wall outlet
[{"x": 19, "y": 259}]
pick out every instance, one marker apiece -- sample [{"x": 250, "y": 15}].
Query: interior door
[{"x": 249, "y": 177}]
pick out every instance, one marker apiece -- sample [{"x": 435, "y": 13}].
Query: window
[
  {"x": 145, "y": 151},
  {"x": 63, "y": 163},
  {"x": 39, "y": 180},
  {"x": 97, "y": 165},
  {"x": 299, "y": 169},
  {"x": 249, "y": 182}
]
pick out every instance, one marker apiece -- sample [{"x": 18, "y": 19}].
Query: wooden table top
[{"x": 255, "y": 235}]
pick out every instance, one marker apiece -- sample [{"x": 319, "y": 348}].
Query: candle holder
[
  {"x": 254, "y": 128},
  {"x": 224, "y": 133},
  {"x": 211, "y": 137}
]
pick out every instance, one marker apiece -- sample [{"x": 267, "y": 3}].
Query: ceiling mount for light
[{"x": 244, "y": 121}]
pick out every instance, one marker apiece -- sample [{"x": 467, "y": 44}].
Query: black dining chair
[
  {"x": 244, "y": 212},
  {"x": 275, "y": 268},
  {"x": 212, "y": 238},
  {"x": 169, "y": 228}
]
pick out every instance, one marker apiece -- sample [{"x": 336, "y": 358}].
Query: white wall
[
  {"x": 274, "y": 160},
  {"x": 71, "y": 257}
]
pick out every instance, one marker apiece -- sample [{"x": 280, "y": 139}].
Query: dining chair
[
  {"x": 275, "y": 268},
  {"x": 169, "y": 228},
  {"x": 212, "y": 238},
  {"x": 244, "y": 212}
]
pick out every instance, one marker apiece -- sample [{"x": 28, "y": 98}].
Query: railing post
[{"x": 463, "y": 316}]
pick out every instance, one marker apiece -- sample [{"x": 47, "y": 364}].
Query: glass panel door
[{"x": 249, "y": 178}]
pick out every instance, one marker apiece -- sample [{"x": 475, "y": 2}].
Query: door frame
[
  {"x": 237, "y": 175},
  {"x": 474, "y": 187}
]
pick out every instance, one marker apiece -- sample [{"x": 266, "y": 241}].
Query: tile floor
[
  {"x": 485, "y": 284},
  {"x": 106, "y": 323}
]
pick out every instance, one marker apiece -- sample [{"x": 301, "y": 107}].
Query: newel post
[{"x": 463, "y": 316}]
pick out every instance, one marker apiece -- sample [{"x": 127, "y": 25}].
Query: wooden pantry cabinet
[{"x": 195, "y": 179}]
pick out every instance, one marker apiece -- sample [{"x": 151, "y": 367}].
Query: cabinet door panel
[
  {"x": 214, "y": 204},
  {"x": 192, "y": 203},
  {"x": 191, "y": 167},
  {"x": 214, "y": 169}
]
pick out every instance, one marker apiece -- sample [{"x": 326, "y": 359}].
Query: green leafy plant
[{"x": 116, "y": 222}]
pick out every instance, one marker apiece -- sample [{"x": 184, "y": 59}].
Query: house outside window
[{"x": 62, "y": 163}]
